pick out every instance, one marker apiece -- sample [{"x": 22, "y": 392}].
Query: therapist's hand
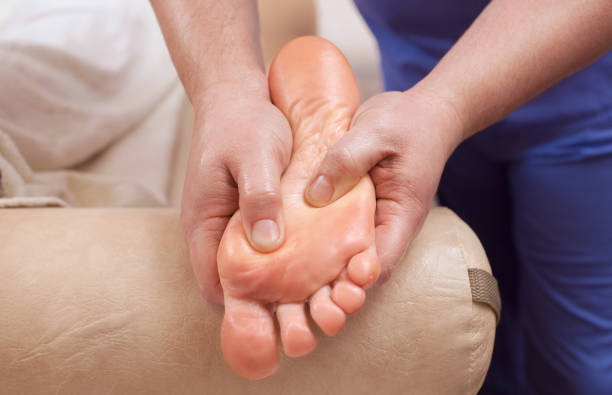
[
  {"x": 241, "y": 146},
  {"x": 403, "y": 139}
]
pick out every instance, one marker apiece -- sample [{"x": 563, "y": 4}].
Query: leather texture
[{"x": 104, "y": 301}]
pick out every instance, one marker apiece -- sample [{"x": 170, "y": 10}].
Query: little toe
[
  {"x": 326, "y": 313},
  {"x": 296, "y": 336},
  {"x": 348, "y": 296},
  {"x": 248, "y": 339},
  {"x": 364, "y": 268}
]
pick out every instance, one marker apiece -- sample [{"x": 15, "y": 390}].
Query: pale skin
[
  {"x": 329, "y": 253},
  {"x": 233, "y": 162},
  {"x": 513, "y": 47},
  {"x": 106, "y": 299},
  {"x": 513, "y": 51}
]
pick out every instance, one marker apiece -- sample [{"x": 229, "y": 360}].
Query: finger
[
  {"x": 345, "y": 164},
  {"x": 296, "y": 336},
  {"x": 260, "y": 200},
  {"x": 205, "y": 212},
  {"x": 203, "y": 244},
  {"x": 399, "y": 217}
]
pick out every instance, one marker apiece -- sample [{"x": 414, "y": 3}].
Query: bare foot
[{"x": 329, "y": 254}]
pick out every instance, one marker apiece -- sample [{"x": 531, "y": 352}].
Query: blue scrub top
[
  {"x": 536, "y": 188},
  {"x": 414, "y": 34}
]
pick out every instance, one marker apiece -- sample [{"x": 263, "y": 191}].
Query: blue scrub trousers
[
  {"x": 543, "y": 212},
  {"x": 537, "y": 189}
]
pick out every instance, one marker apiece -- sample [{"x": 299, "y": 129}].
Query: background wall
[{"x": 339, "y": 21}]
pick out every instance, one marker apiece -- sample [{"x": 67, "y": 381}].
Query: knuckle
[
  {"x": 205, "y": 173},
  {"x": 206, "y": 211},
  {"x": 256, "y": 167},
  {"x": 210, "y": 159},
  {"x": 248, "y": 152},
  {"x": 266, "y": 194},
  {"x": 260, "y": 198},
  {"x": 341, "y": 161}
]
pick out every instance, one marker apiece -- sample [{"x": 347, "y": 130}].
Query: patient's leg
[
  {"x": 313, "y": 85},
  {"x": 104, "y": 301}
]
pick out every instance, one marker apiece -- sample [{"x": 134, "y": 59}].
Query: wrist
[
  {"x": 444, "y": 118},
  {"x": 250, "y": 84}
]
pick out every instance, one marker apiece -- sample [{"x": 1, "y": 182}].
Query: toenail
[
  {"x": 321, "y": 190},
  {"x": 265, "y": 234}
]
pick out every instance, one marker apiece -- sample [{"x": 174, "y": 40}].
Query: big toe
[{"x": 248, "y": 339}]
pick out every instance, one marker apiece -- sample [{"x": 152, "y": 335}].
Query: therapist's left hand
[{"x": 403, "y": 140}]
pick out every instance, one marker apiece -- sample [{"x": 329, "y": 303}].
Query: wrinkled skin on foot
[{"x": 329, "y": 253}]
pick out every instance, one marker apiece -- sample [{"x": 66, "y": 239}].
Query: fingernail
[
  {"x": 265, "y": 234},
  {"x": 321, "y": 191}
]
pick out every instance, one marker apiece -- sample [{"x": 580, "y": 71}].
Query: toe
[
  {"x": 364, "y": 268},
  {"x": 348, "y": 296},
  {"x": 296, "y": 336},
  {"x": 326, "y": 313},
  {"x": 248, "y": 339}
]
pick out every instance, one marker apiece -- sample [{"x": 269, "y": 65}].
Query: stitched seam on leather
[
  {"x": 473, "y": 347},
  {"x": 472, "y": 323}
]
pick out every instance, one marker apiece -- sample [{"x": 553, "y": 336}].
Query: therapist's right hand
[{"x": 241, "y": 146}]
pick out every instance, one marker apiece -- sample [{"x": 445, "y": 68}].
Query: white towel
[{"x": 91, "y": 109}]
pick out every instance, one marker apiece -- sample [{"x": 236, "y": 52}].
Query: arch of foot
[{"x": 329, "y": 254}]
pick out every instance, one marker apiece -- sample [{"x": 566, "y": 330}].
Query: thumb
[
  {"x": 345, "y": 164},
  {"x": 260, "y": 202}
]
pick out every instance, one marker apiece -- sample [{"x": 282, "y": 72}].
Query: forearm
[
  {"x": 514, "y": 51},
  {"x": 213, "y": 43}
]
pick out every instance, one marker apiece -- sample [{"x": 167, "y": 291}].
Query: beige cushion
[{"x": 105, "y": 301}]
